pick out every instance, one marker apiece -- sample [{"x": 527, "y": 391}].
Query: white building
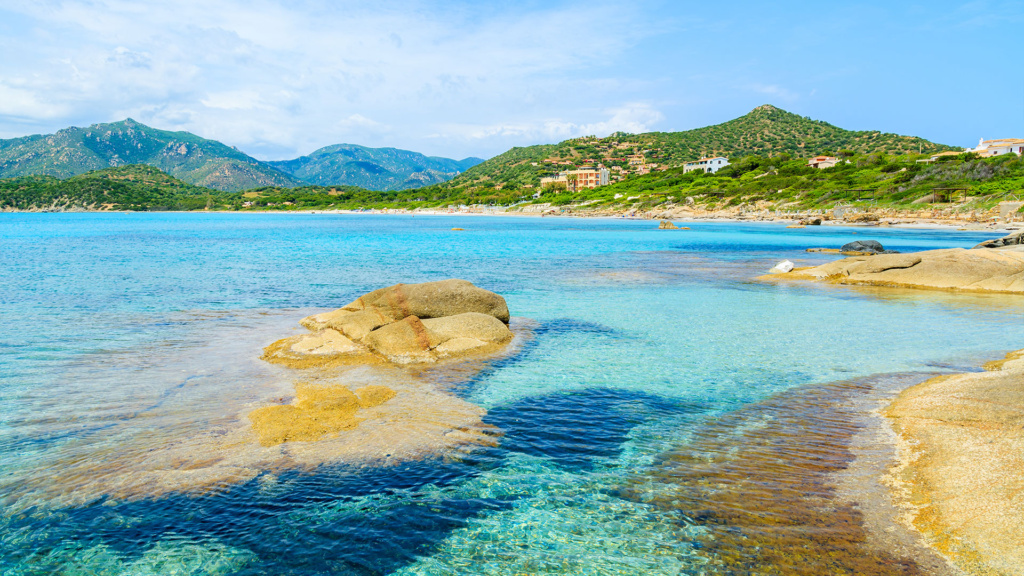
[
  {"x": 822, "y": 162},
  {"x": 989, "y": 148},
  {"x": 711, "y": 165}
]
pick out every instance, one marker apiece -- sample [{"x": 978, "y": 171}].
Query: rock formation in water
[
  {"x": 667, "y": 225},
  {"x": 1014, "y": 239},
  {"x": 981, "y": 270},
  {"x": 962, "y": 452},
  {"x": 865, "y": 247},
  {"x": 402, "y": 324}
]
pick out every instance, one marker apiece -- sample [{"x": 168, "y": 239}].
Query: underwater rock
[
  {"x": 316, "y": 412},
  {"x": 402, "y": 323},
  {"x": 979, "y": 270}
]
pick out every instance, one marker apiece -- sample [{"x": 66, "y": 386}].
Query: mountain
[
  {"x": 194, "y": 160},
  {"x": 133, "y": 187},
  {"x": 373, "y": 168},
  {"x": 766, "y": 130},
  {"x": 209, "y": 163}
]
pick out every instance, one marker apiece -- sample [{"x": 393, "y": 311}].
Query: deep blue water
[{"x": 121, "y": 331}]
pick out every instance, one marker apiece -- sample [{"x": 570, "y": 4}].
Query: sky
[{"x": 279, "y": 79}]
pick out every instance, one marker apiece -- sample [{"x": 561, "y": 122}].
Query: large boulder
[
  {"x": 402, "y": 323},
  {"x": 391, "y": 304},
  {"x": 1014, "y": 239},
  {"x": 667, "y": 225},
  {"x": 864, "y": 246},
  {"x": 414, "y": 340}
]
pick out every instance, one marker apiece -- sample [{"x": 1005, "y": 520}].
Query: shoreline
[
  {"x": 899, "y": 222},
  {"x": 960, "y": 440}
]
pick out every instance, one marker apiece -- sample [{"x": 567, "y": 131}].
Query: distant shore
[{"x": 883, "y": 219}]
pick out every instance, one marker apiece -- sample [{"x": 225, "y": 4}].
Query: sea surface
[{"x": 663, "y": 413}]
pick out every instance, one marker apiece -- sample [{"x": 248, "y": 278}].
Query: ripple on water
[{"x": 769, "y": 485}]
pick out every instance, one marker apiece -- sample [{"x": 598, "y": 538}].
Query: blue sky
[{"x": 279, "y": 79}]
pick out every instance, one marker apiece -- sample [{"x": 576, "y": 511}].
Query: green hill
[
  {"x": 133, "y": 187},
  {"x": 192, "y": 159},
  {"x": 373, "y": 168},
  {"x": 766, "y": 130}
]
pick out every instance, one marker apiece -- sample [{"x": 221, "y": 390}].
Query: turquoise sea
[{"x": 653, "y": 415}]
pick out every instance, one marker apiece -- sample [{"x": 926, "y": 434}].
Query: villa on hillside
[
  {"x": 707, "y": 165},
  {"x": 822, "y": 162},
  {"x": 938, "y": 155},
  {"x": 989, "y": 148},
  {"x": 576, "y": 180}
]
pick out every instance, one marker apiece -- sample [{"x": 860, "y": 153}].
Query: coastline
[
  {"x": 901, "y": 222},
  {"x": 961, "y": 449}
]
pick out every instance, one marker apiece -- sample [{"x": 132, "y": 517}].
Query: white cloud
[
  {"x": 631, "y": 117},
  {"x": 20, "y": 102},
  {"x": 313, "y": 73},
  {"x": 236, "y": 100}
]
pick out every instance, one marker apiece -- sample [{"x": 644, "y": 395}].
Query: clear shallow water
[{"x": 122, "y": 333}]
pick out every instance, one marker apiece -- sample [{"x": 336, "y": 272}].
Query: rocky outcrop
[
  {"x": 667, "y": 225},
  {"x": 866, "y": 247},
  {"x": 401, "y": 324},
  {"x": 984, "y": 270},
  {"x": 1014, "y": 239},
  {"x": 961, "y": 440}
]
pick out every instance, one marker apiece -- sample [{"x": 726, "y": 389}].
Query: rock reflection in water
[{"x": 765, "y": 484}]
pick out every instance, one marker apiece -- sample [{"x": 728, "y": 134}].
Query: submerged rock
[
  {"x": 316, "y": 412},
  {"x": 402, "y": 323}
]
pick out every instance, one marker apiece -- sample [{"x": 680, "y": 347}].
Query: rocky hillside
[
  {"x": 766, "y": 131},
  {"x": 192, "y": 159},
  {"x": 373, "y": 168}
]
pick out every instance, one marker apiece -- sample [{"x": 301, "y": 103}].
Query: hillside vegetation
[
  {"x": 766, "y": 131},
  {"x": 373, "y": 168},
  {"x": 134, "y": 187},
  {"x": 865, "y": 181}
]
